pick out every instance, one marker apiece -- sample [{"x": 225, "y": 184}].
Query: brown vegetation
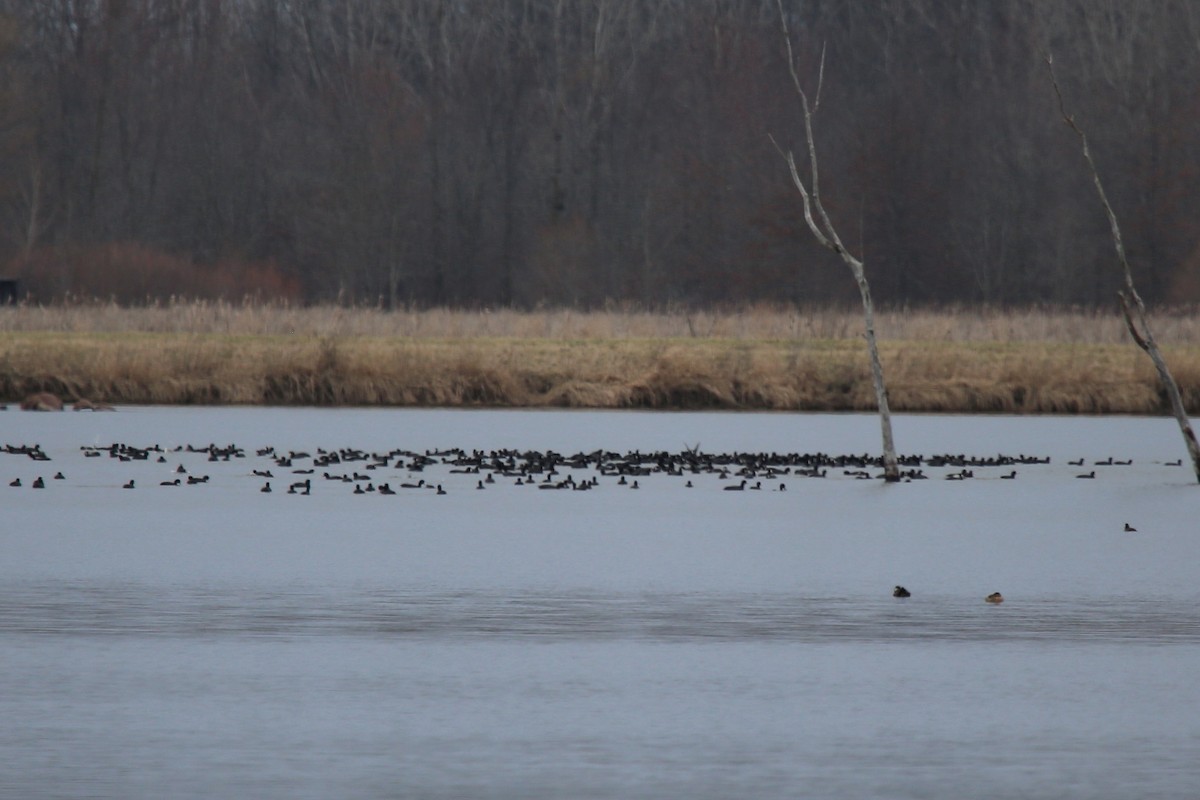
[
  {"x": 206, "y": 353},
  {"x": 132, "y": 273},
  {"x": 1178, "y": 326}
]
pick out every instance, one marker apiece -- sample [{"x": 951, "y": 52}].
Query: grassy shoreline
[
  {"x": 654, "y": 373},
  {"x": 1036, "y": 361}
]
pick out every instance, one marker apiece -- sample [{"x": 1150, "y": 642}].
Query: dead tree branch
[
  {"x": 1132, "y": 307},
  {"x": 826, "y": 234}
]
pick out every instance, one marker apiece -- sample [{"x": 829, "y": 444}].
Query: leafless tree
[
  {"x": 1132, "y": 307},
  {"x": 823, "y": 229},
  {"x": 484, "y": 152}
]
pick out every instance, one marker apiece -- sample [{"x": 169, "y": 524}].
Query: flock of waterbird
[
  {"x": 364, "y": 473},
  {"x": 433, "y": 470}
]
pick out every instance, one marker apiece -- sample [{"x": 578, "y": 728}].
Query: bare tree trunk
[
  {"x": 33, "y": 230},
  {"x": 822, "y": 228},
  {"x": 1132, "y": 307}
]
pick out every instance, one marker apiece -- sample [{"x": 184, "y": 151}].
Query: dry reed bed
[
  {"x": 1076, "y": 326},
  {"x": 719, "y": 373}
]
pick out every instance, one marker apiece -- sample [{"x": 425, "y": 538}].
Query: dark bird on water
[
  {"x": 1129, "y": 528},
  {"x": 900, "y": 591},
  {"x": 995, "y": 597}
]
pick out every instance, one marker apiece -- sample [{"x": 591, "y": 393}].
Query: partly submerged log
[
  {"x": 42, "y": 401},
  {"x": 83, "y": 404}
]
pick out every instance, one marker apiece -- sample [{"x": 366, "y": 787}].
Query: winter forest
[{"x": 529, "y": 153}]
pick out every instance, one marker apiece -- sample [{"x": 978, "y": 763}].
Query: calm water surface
[{"x": 218, "y": 641}]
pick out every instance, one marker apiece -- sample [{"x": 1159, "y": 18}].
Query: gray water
[{"x": 217, "y": 641}]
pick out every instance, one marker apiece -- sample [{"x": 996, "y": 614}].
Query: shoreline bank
[{"x": 654, "y": 373}]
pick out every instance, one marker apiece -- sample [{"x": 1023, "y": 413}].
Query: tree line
[{"x": 582, "y": 152}]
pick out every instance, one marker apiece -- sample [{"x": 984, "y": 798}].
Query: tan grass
[
  {"x": 208, "y": 353},
  {"x": 1079, "y": 326},
  {"x": 960, "y": 377}
]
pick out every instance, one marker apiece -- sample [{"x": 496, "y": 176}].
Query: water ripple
[{"x": 145, "y": 610}]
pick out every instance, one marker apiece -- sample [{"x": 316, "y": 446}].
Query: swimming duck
[
  {"x": 38, "y": 483},
  {"x": 128, "y": 485},
  {"x": 1087, "y": 475},
  {"x": 900, "y": 591},
  {"x": 266, "y": 489},
  {"x": 15, "y": 482},
  {"x": 995, "y": 597},
  {"x": 1129, "y": 528}
]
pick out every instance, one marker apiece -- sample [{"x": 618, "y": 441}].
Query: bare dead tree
[
  {"x": 822, "y": 228},
  {"x": 1132, "y": 307}
]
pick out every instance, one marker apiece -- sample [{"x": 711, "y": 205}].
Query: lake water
[{"x": 214, "y": 640}]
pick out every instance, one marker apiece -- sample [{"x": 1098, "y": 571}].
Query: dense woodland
[{"x": 583, "y": 152}]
